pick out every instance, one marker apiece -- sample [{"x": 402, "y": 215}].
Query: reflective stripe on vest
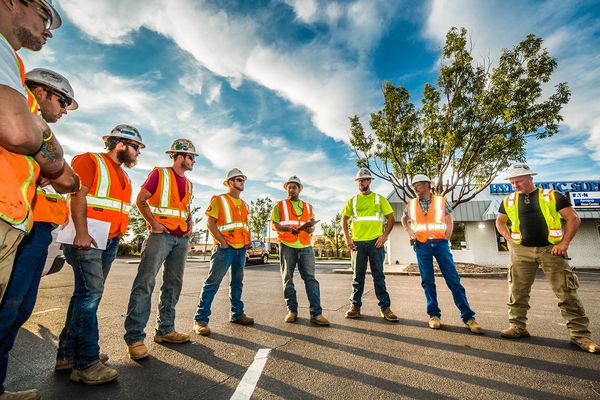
[
  {"x": 49, "y": 206},
  {"x": 229, "y": 224},
  {"x": 547, "y": 202},
  {"x": 422, "y": 224},
  {"x": 376, "y": 217},
  {"x": 165, "y": 209},
  {"x": 108, "y": 203},
  {"x": 288, "y": 217},
  {"x": 18, "y": 172}
]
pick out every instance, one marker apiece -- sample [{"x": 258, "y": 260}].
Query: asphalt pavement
[{"x": 367, "y": 358}]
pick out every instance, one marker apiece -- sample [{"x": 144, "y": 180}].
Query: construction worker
[
  {"x": 105, "y": 195},
  {"x": 289, "y": 219},
  {"x": 27, "y": 144},
  {"x": 164, "y": 202},
  {"x": 54, "y": 95},
  {"x": 428, "y": 222},
  {"x": 536, "y": 238},
  {"x": 228, "y": 224},
  {"x": 366, "y": 209}
]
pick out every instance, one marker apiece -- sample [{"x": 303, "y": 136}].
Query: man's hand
[
  {"x": 381, "y": 241},
  {"x": 223, "y": 244},
  {"x": 411, "y": 234},
  {"x": 350, "y": 244},
  {"x": 560, "y": 249},
  {"x": 155, "y": 227},
  {"x": 294, "y": 230},
  {"x": 310, "y": 230},
  {"x": 84, "y": 241}
]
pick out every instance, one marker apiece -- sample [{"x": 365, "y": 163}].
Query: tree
[
  {"x": 474, "y": 124},
  {"x": 136, "y": 228},
  {"x": 260, "y": 213},
  {"x": 333, "y": 232}
]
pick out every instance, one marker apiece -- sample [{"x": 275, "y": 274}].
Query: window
[{"x": 458, "y": 241}]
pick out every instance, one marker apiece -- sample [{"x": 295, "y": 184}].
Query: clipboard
[
  {"x": 309, "y": 224},
  {"x": 97, "y": 229}
]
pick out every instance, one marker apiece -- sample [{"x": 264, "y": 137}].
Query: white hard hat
[
  {"x": 54, "y": 81},
  {"x": 518, "y": 169},
  {"x": 125, "y": 132},
  {"x": 232, "y": 174},
  {"x": 363, "y": 173},
  {"x": 420, "y": 178},
  {"x": 182, "y": 146},
  {"x": 55, "y": 20},
  {"x": 293, "y": 179}
]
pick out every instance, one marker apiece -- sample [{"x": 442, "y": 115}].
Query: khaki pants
[
  {"x": 9, "y": 241},
  {"x": 524, "y": 262}
]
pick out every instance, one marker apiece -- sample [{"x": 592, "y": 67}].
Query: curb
[{"x": 465, "y": 275}]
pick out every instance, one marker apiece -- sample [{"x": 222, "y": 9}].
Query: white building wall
[{"x": 482, "y": 247}]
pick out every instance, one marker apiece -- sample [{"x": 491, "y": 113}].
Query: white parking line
[
  {"x": 46, "y": 311},
  {"x": 248, "y": 383}
]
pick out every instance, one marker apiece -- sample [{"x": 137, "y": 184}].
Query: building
[{"x": 475, "y": 239}]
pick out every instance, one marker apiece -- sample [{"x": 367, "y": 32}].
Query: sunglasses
[
  {"x": 46, "y": 16},
  {"x": 241, "y": 180},
  {"x": 134, "y": 146},
  {"x": 63, "y": 101}
]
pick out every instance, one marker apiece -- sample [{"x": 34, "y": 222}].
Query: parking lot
[{"x": 367, "y": 358}]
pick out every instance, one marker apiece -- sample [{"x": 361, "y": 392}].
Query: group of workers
[{"x": 36, "y": 178}]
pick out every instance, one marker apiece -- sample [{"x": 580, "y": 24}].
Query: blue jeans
[
  {"x": 158, "y": 248},
  {"x": 79, "y": 338},
  {"x": 366, "y": 250},
  {"x": 220, "y": 261},
  {"x": 21, "y": 292},
  {"x": 440, "y": 249},
  {"x": 305, "y": 259}
]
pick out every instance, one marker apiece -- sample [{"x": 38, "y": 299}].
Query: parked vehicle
[{"x": 257, "y": 253}]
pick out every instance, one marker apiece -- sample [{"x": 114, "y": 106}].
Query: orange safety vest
[
  {"x": 18, "y": 174},
  {"x": 430, "y": 226},
  {"x": 232, "y": 225},
  {"x": 107, "y": 200},
  {"x": 288, "y": 217},
  {"x": 49, "y": 206},
  {"x": 166, "y": 205}
]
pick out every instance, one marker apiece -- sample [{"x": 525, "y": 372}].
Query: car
[{"x": 257, "y": 253}]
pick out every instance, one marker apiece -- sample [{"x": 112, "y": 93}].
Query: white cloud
[{"x": 312, "y": 76}]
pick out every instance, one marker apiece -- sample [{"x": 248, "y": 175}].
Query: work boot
[
  {"x": 513, "y": 332},
  {"x": 137, "y": 350},
  {"x": 291, "y": 316},
  {"x": 320, "y": 320},
  {"x": 435, "y": 323},
  {"x": 474, "y": 327},
  {"x": 243, "y": 320},
  {"x": 172, "y": 337},
  {"x": 586, "y": 344},
  {"x": 201, "y": 328},
  {"x": 96, "y": 374},
  {"x": 353, "y": 311},
  {"x": 32, "y": 394},
  {"x": 388, "y": 315},
  {"x": 64, "y": 364}
]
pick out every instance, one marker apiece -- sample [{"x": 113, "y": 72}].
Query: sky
[{"x": 267, "y": 86}]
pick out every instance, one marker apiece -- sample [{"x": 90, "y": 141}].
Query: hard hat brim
[
  {"x": 287, "y": 183},
  {"x": 142, "y": 145},
  {"x": 527, "y": 173},
  {"x": 363, "y": 177},
  {"x": 182, "y": 152},
  {"x": 231, "y": 177},
  {"x": 56, "y": 19}
]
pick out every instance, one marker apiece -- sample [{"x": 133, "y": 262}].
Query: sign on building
[{"x": 585, "y": 199}]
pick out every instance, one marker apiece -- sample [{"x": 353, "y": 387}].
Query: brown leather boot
[
  {"x": 172, "y": 337},
  {"x": 291, "y": 316},
  {"x": 243, "y": 320},
  {"x": 137, "y": 350},
  {"x": 32, "y": 394},
  {"x": 96, "y": 374},
  {"x": 201, "y": 328},
  {"x": 353, "y": 312}
]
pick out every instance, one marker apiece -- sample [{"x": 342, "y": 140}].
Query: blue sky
[{"x": 267, "y": 86}]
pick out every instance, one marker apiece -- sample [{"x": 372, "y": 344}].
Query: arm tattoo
[{"x": 50, "y": 149}]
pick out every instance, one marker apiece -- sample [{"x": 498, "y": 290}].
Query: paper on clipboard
[{"x": 97, "y": 229}]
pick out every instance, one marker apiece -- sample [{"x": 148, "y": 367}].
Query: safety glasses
[{"x": 42, "y": 11}]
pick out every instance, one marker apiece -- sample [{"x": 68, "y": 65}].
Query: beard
[
  {"x": 28, "y": 40},
  {"x": 124, "y": 157}
]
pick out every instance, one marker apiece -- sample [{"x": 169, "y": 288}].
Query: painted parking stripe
[
  {"x": 46, "y": 311},
  {"x": 248, "y": 383}
]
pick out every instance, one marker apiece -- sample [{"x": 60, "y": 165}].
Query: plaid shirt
[{"x": 425, "y": 206}]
